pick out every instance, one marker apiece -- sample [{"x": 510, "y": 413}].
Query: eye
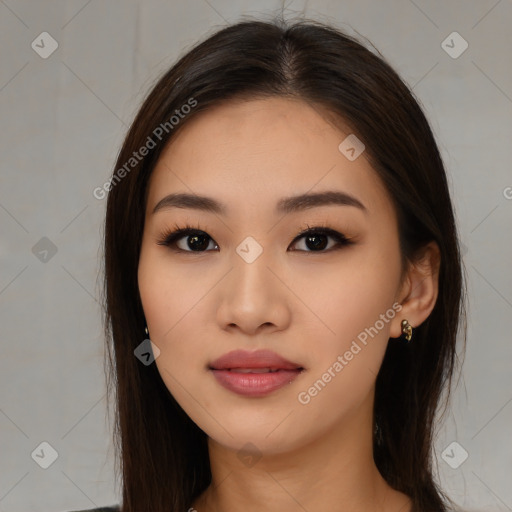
[
  {"x": 197, "y": 239},
  {"x": 315, "y": 239}
]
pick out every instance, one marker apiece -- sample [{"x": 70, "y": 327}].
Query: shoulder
[{"x": 114, "y": 508}]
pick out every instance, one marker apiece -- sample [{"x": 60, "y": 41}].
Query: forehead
[{"x": 258, "y": 151}]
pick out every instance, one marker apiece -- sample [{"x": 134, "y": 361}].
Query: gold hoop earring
[
  {"x": 407, "y": 330},
  {"x": 146, "y": 330}
]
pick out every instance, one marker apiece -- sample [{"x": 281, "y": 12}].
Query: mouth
[
  {"x": 255, "y": 382},
  {"x": 255, "y": 370},
  {"x": 254, "y": 374},
  {"x": 259, "y": 361}
]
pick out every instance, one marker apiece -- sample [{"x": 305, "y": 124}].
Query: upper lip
[{"x": 256, "y": 359}]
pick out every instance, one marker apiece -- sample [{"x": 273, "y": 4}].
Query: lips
[
  {"x": 261, "y": 360},
  {"x": 254, "y": 374}
]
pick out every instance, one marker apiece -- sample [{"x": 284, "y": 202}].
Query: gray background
[{"x": 63, "y": 119}]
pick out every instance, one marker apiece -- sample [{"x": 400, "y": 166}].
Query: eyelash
[{"x": 171, "y": 236}]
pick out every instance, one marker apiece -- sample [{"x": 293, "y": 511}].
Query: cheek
[
  {"x": 347, "y": 357},
  {"x": 346, "y": 297},
  {"x": 169, "y": 301},
  {"x": 173, "y": 299},
  {"x": 167, "y": 293},
  {"x": 353, "y": 306}
]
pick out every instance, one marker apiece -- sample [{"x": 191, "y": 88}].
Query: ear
[{"x": 418, "y": 293}]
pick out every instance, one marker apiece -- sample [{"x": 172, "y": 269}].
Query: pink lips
[{"x": 254, "y": 373}]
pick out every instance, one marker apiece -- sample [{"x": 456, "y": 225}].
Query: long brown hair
[{"x": 162, "y": 455}]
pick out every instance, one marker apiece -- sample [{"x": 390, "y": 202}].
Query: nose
[{"x": 254, "y": 297}]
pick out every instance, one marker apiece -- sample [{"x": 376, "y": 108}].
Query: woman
[{"x": 279, "y": 225}]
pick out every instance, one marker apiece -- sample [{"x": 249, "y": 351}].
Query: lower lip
[{"x": 255, "y": 384}]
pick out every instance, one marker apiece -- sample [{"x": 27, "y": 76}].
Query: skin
[{"x": 307, "y": 306}]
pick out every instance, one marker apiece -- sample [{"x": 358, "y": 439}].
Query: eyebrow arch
[{"x": 284, "y": 205}]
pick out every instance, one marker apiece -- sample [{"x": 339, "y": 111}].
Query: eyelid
[{"x": 171, "y": 236}]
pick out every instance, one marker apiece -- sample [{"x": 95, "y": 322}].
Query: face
[{"x": 245, "y": 279}]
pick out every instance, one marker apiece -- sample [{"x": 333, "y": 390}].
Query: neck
[{"x": 334, "y": 472}]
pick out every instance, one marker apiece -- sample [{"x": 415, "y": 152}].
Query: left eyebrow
[{"x": 284, "y": 205}]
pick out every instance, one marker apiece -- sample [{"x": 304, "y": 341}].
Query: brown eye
[
  {"x": 195, "y": 240},
  {"x": 316, "y": 239}
]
